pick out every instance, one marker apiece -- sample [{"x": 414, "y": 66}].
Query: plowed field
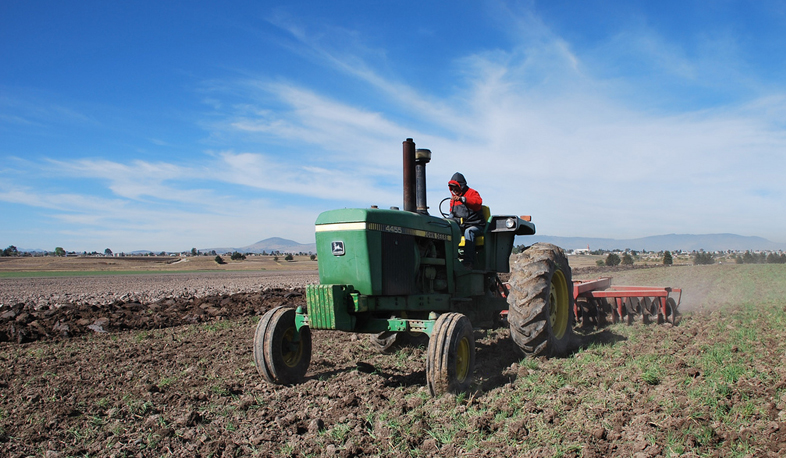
[{"x": 161, "y": 373}]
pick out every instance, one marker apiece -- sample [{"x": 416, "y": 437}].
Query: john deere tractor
[{"x": 394, "y": 273}]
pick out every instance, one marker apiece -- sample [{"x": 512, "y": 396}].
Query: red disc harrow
[{"x": 597, "y": 302}]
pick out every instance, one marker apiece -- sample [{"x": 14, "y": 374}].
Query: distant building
[{"x": 582, "y": 250}]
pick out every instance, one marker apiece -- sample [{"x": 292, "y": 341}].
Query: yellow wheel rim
[
  {"x": 462, "y": 360},
  {"x": 558, "y": 304},
  {"x": 290, "y": 350}
]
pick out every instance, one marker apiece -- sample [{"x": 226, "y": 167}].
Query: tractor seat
[{"x": 479, "y": 240}]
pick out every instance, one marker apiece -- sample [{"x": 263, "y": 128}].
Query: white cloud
[
  {"x": 313, "y": 119},
  {"x": 267, "y": 172},
  {"x": 84, "y": 222}
]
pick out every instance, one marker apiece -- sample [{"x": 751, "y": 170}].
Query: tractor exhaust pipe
[
  {"x": 409, "y": 176},
  {"x": 422, "y": 157}
]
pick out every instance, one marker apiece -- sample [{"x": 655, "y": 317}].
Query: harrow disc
[
  {"x": 649, "y": 308},
  {"x": 607, "y": 311},
  {"x": 672, "y": 313},
  {"x": 632, "y": 307},
  {"x": 589, "y": 312}
]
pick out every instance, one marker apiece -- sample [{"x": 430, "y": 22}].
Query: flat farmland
[
  {"x": 153, "y": 364},
  {"x": 84, "y": 265}
]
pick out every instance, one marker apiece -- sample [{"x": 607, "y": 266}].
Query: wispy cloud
[
  {"x": 136, "y": 180},
  {"x": 29, "y": 108},
  {"x": 311, "y": 118},
  {"x": 266, "y": 172},
  {"x": 85, "y": 220}
]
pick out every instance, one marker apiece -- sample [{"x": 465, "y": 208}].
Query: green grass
[
  {"x": 711, "y": 286},
  {"x": 339, "y": 433},
  {"x": 166, "y": 381},
  {"x": 221, "y": 325},
  {"x": 737, "y": 348},
  {"x": 142, "y": 336}
]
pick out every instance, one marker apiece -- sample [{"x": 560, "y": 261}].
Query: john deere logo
[{"x": 337, "y": 248}]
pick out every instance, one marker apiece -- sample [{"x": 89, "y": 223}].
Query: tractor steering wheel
[{"x": 445, "y": 215}]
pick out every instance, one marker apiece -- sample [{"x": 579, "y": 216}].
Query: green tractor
[{"x": 396, "y": 273}]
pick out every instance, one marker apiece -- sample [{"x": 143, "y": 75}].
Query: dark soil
[
  {"x": 22, "y": 323},
  {"x": 176, "y": 377}
]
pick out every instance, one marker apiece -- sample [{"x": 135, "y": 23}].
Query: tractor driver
[{"x": 466, "y": 208}]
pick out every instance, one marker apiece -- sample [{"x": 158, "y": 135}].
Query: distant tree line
[
  {"x": 703, "y": 258},
  {"x": 760, "y": 258},
  {"x": 10, "y": 251},
  {"x": 60, "y": 251},
  {"x": 613, "y": 259}
]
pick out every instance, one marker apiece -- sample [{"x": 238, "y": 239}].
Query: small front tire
[
  {"x": 450, "y": 358},
  {"x": 281, "y": 353}
]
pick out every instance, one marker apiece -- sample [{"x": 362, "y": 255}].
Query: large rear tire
[
  {"x": 541, "y": 301},
  {"x": 281, "y": 353},
  {"x": 450, "y": 358}
]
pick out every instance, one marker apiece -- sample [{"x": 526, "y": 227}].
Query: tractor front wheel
[
  {"x": 450, "y": 358},
  {"x": 281, "y": 353},
  {"x": 541, "y": 301}
]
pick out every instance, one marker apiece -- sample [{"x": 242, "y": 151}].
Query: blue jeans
[{"x": 470, "y": 234}]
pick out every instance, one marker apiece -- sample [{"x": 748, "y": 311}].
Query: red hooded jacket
[{"x": 470, "y": 205}]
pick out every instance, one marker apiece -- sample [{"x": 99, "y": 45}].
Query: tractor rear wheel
[
  {"x": 281, "y": 353},
  {"x": 541, "y": 301},
  {"x": 450, "y": 358}
]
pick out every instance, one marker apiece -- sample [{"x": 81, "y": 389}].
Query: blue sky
[{"x": 171, "y": 125}]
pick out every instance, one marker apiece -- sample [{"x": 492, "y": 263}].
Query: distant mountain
[
  {"x": 282, "y": 245},
  {"x": 686, "y": 242},
  {"x": 269, "y": 245}
]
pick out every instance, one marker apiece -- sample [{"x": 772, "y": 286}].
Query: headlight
[{"x": 510, "y": 223}]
